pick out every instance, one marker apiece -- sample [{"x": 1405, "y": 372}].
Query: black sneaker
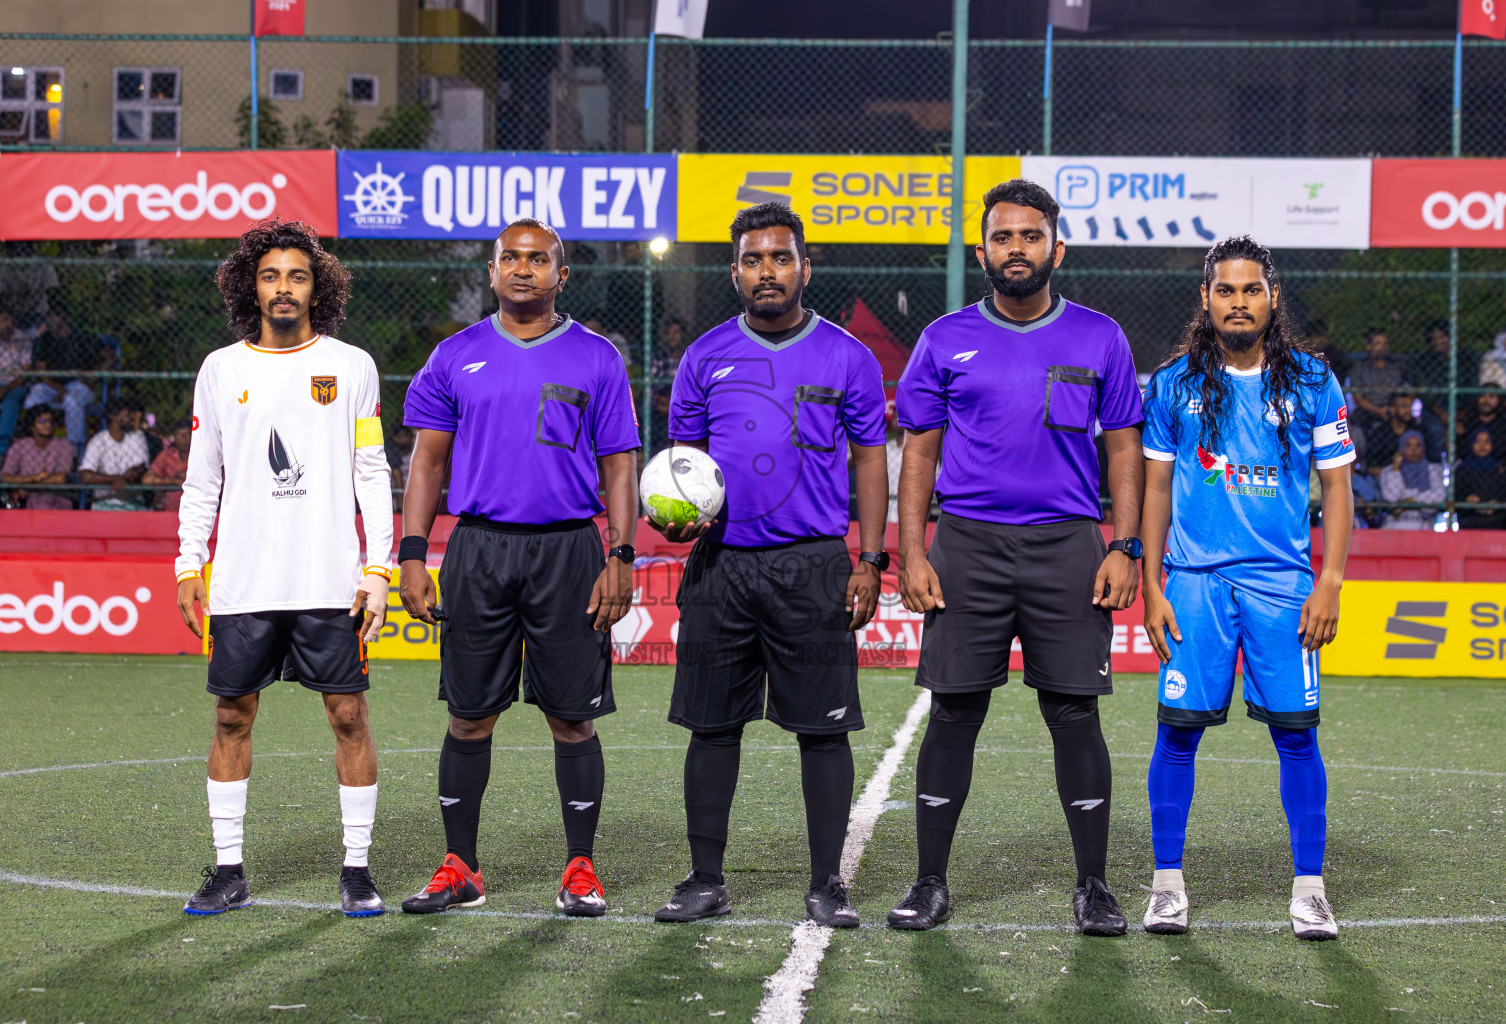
[
  {"x": 926, "y": 905},
  {"x": 358, "y": 893},
  {"x": 827, "y": 905},
  {"x": 1096, "y": 910},
  {"x": 222, "y": 890},
  {"x": 695, "y": 900},
  {"x": 453, "y": 885}
]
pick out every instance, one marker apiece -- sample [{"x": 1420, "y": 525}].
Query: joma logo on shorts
[{"x": 1400, "y": 624}]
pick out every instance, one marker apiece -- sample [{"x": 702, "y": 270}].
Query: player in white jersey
[{"x": 287, "y": 443}]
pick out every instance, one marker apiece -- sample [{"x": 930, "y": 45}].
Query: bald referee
[
  {"x": 1015, "y": 385},
  {"x": 532, "y": 413}
]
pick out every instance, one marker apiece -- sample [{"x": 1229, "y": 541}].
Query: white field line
[
  {"x": 39, "y": 882},
  {"x": 191, "y": 758},
  {"x": 1330, "y": 765},
  {"x": 784, "y": 999}
]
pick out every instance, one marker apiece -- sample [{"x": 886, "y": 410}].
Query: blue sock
[
  {"x": 1170, "y": 781},
  {"x": 1304, "y": 796}
]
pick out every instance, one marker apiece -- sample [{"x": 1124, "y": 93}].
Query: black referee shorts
[
  {"x": 502, "y": 586},
  {"x": 1001, "y": 582},
  {"x": 747, "y": 613},
  {"x": 320, "y": 648}
]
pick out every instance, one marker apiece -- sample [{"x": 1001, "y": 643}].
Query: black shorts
[
  {"x": 780, "y": 611},
  {"x": 320, "y": 648},
  {"x": 502, "y": 586},
  {"x": 1000, "y": 582}
]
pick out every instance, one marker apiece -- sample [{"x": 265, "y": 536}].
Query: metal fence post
[
  {"x": 1046, "y": 97},
  {"x": 1451, "y": 443},
  {"x": 255, "y": 113},
  {"x": 955, "y": 268},
  {"x": 647, "y": 399}
]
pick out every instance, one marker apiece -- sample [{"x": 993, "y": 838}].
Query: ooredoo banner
[
  {"x": 163, "y": 195},
  {"x": 97, "y": 606},
  {"x": 606, "y": 196},
  {"x": 1188, "y": 201},
  {"x": 1439, "y": 204}
]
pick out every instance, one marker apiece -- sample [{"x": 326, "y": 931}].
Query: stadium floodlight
[
  {"x": 18, "y": 71},
  {"x": 659, "y": 246}
]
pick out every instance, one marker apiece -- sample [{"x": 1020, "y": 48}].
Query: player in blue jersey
[
  {"x": 1231, "y": 422},
  {"x": 781, "y": 398}
]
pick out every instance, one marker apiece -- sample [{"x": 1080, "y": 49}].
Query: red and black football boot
[
  {"x": 581, "y": 894},
  {"x": 453, "y": 885}
]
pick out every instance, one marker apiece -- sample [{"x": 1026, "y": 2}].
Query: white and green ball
[{"x": 682, "y": 485}]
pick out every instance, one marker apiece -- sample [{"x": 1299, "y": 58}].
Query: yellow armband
[{"x": 368, "y": 431}]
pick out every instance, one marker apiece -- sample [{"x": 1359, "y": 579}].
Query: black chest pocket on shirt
[
  {"x": 562, "y": 410},
  {"x": 1070, "y": 391},
  {"x": 816, "y": 412}
]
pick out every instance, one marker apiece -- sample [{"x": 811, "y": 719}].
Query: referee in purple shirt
[
  {"x": 781, "y": 398},
  {"x": 1015, "y": 384},
  {"x": 532, "y": 413}
]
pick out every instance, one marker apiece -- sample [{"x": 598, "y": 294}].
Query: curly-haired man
[{"x": 288, "y": 440}]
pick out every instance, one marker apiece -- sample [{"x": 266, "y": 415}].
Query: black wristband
[{"x": 411, "y": 548}]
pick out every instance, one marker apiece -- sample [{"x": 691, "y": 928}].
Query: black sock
[
  {"x": 464, "y": 768},
  {"x": 826, "y": 781},
  {"x": 711, "y": 764},
  {"x": 944, "y": 774},
  {"x": 1084, "y": 777},
  {"x": 581, "y": 775}
]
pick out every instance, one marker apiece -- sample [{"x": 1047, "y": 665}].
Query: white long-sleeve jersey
[{"x": 286, "y": 443}]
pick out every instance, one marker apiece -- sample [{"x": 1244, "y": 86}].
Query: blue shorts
[{"x": 1218, "y": 622}]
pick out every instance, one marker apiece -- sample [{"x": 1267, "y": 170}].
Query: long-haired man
[
  {"x": 287, "y": 443},
  {"x": 1231, "y": 421}
]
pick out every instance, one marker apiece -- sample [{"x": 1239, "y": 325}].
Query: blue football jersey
[{"x": 1240, "y": 512}]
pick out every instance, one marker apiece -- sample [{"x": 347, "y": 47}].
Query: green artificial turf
[{"x": 1415, "y": 810}]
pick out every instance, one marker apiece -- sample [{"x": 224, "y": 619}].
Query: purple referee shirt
[
  {"x": 778, "y": 417},
  {"x": 530, "y": 419},
  {"x": 1018, "y": 403}
]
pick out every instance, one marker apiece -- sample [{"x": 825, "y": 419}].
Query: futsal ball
[{"x": 681, "y": 485}]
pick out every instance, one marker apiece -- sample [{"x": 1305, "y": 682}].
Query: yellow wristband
[{"x": 190, "y": 574}]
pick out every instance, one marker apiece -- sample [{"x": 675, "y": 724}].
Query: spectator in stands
[
  {"x": 64, "y": 352},
  {"x": 1316, "y": 332},
  {"x": 1375, "y": 377},
  {"x": 894, "y": 453},
  {"x": 116, "y": 457},
  {"x": 399, "y": 459},
  {"x": 1480, "y": 478},
  {"x": 1404, "y": 412},
  {"x": 171, "y": 465},
  {"x": 1493, "y": 363},
  {"x": 667, "y": 356},
  {"x": 15, "y": 356},
  {"x": 617, "y": 338},
  {"x": 1430, "y": 368},
  {"x": 1485, "y": 413},
  {"x": 40, "y": 457},
  {"x": 1411, "y": 477}
]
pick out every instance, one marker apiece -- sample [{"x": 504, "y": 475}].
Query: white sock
[
  {"x": 357, "y": 814},
  {"x": 1168, "y": 880},
  {"x": 227, "y": 819},
  {"x": 1307, "y": 885}
]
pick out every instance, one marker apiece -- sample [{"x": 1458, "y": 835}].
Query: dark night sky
[{"x": 994, "y": 19}]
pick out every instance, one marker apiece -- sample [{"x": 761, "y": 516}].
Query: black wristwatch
[
  {"x": 1130, "y": 546},
  {"x": 876, "y": 558},
  {"x": 624, "y": 552}
]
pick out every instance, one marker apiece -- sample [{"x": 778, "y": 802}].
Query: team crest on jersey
[{"x": 323, "y": 389}]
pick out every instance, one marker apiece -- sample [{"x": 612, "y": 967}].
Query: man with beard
[
  {"x": 287, "y": 443},
  {"x": 1232, "y": 420},
  {"x": 1016, "y": 383},
  {"x": 779, "y": 397}
]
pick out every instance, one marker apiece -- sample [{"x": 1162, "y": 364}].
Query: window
[
  {"x": 148, "y": 106},
  {"x": 363, "y": 90},
  {"x": 31, "y": 105},
  {"x": 285, "y": 84}
]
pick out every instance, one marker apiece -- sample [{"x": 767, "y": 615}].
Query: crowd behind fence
[{"x": 149, "y": 311}]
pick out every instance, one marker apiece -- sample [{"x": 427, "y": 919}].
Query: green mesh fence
[{"x": 156, "y": 308}]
